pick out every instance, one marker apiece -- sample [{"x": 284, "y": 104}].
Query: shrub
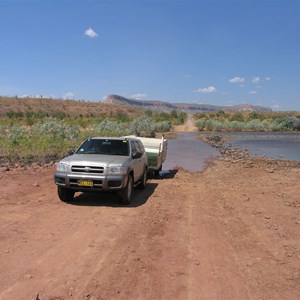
[
  {"x": 235, "y": 126},
  {"x": 164, "y": 126},
  {"x": 142, "y": 126},
  {"x": 200, "y": 125},
  {"x": 213, "y": 125},
  {"x": 57, "y": 129},
  {"x": 238, "y": 116},
  {"x": 110, "y": 128},
  {"x": 255, "y": 125},
  {"x": 286, "y": 123},
  {"x": 181, "y": 117}
]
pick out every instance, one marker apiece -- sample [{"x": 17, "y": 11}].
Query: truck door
[
  {"x": 140, "y": 150},
  {"x": 136, "y": 163}
]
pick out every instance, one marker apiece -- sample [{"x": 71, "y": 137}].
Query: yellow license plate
[{"x": 85, "y": 182}]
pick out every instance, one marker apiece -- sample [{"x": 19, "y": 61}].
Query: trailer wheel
[{"x": 156, "y": 173}]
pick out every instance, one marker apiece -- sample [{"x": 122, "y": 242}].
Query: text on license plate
[{"x": 85, "y": 182}]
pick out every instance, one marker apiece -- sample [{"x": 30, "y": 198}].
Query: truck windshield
[{"x": 104, "y": 146}]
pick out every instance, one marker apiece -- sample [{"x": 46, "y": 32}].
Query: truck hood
[{"x": 95, "y": 159}]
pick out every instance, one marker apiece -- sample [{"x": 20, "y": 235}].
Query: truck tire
[
  {"x": 143, "y": 182},
  {"x": 126, "y": 194},
  {"x": 65, "y": 194}
]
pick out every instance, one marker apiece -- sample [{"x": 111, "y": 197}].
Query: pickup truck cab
[{"x": 103, "y": 164}]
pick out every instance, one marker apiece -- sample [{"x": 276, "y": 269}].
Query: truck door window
[
  {"x": 133, "y": 148},
  {"x": 138, "y": 147}
]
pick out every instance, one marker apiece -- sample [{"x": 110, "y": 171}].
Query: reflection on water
[
  {"x": 188, "y": 153},
  {"x": 272, "y": 145}
]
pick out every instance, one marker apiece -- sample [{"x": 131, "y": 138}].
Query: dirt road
[
  {"x": 231, "y": 232},
  {"x": 189, "y": 125}
]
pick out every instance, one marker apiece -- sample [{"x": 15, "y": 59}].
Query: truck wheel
[
  {"x": 64, "y": 194},
  {"x": 126, "y": 193},
  {"x": 143, "y": 182}
]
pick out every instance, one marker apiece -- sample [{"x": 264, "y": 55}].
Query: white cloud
[
  {"x": 268, "y": 78},
  {"x": 90, "y": 33},
  {"x": 256, "y": 80},
  {"x": 237, "y": 80},
  {"x": 138, "y": 96},
  {"x": 253, "y": 92},
  {"x": 208, "y": 90},
  {"x": 68, "y": 95}
]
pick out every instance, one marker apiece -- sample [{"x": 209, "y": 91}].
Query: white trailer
[{"x": 156, "y": 150}]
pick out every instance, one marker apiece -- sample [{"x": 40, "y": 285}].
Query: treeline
[{"x": 248, "y": 121}]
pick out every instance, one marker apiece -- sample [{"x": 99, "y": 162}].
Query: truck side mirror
[
  {"x": 136, "y": 155},
  {"x": 71, "y": 152}
]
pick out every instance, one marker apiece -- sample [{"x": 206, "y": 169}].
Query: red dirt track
[{"x": 230, "y": 232}]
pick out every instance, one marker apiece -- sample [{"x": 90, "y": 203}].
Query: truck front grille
[{"x": 88, "y": 169}]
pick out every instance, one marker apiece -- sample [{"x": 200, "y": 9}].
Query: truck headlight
[
  {"x": 117, "y": 170},
  {"x": 62, "y": 167}
]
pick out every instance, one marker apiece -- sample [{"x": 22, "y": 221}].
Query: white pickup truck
[
  {"x": 103, "y": 164},
  {"x": 110, "y": 164}
]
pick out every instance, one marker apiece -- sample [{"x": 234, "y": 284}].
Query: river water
[
  {"x": 191, "y": 154},
  {"x": 188, "y": 153},
  {"x": 272, "y": 145}
]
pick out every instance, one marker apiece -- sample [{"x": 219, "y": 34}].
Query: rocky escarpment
[{"x": 167, "y": 106}]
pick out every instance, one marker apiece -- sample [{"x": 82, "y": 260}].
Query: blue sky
[{"x": 215, "y": 52}]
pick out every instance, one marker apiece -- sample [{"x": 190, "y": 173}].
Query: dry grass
[{"x": 71, "y": 108}]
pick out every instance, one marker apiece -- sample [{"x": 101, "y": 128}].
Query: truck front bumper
[{"x": 84, "y": 183}]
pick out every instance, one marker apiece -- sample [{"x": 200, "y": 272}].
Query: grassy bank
[{"x": 248, "y": 121}]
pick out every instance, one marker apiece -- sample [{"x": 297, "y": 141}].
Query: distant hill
[{"x": 167, "y": 106}]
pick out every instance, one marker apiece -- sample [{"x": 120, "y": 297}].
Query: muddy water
[{"x": 188, "y": 153}]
